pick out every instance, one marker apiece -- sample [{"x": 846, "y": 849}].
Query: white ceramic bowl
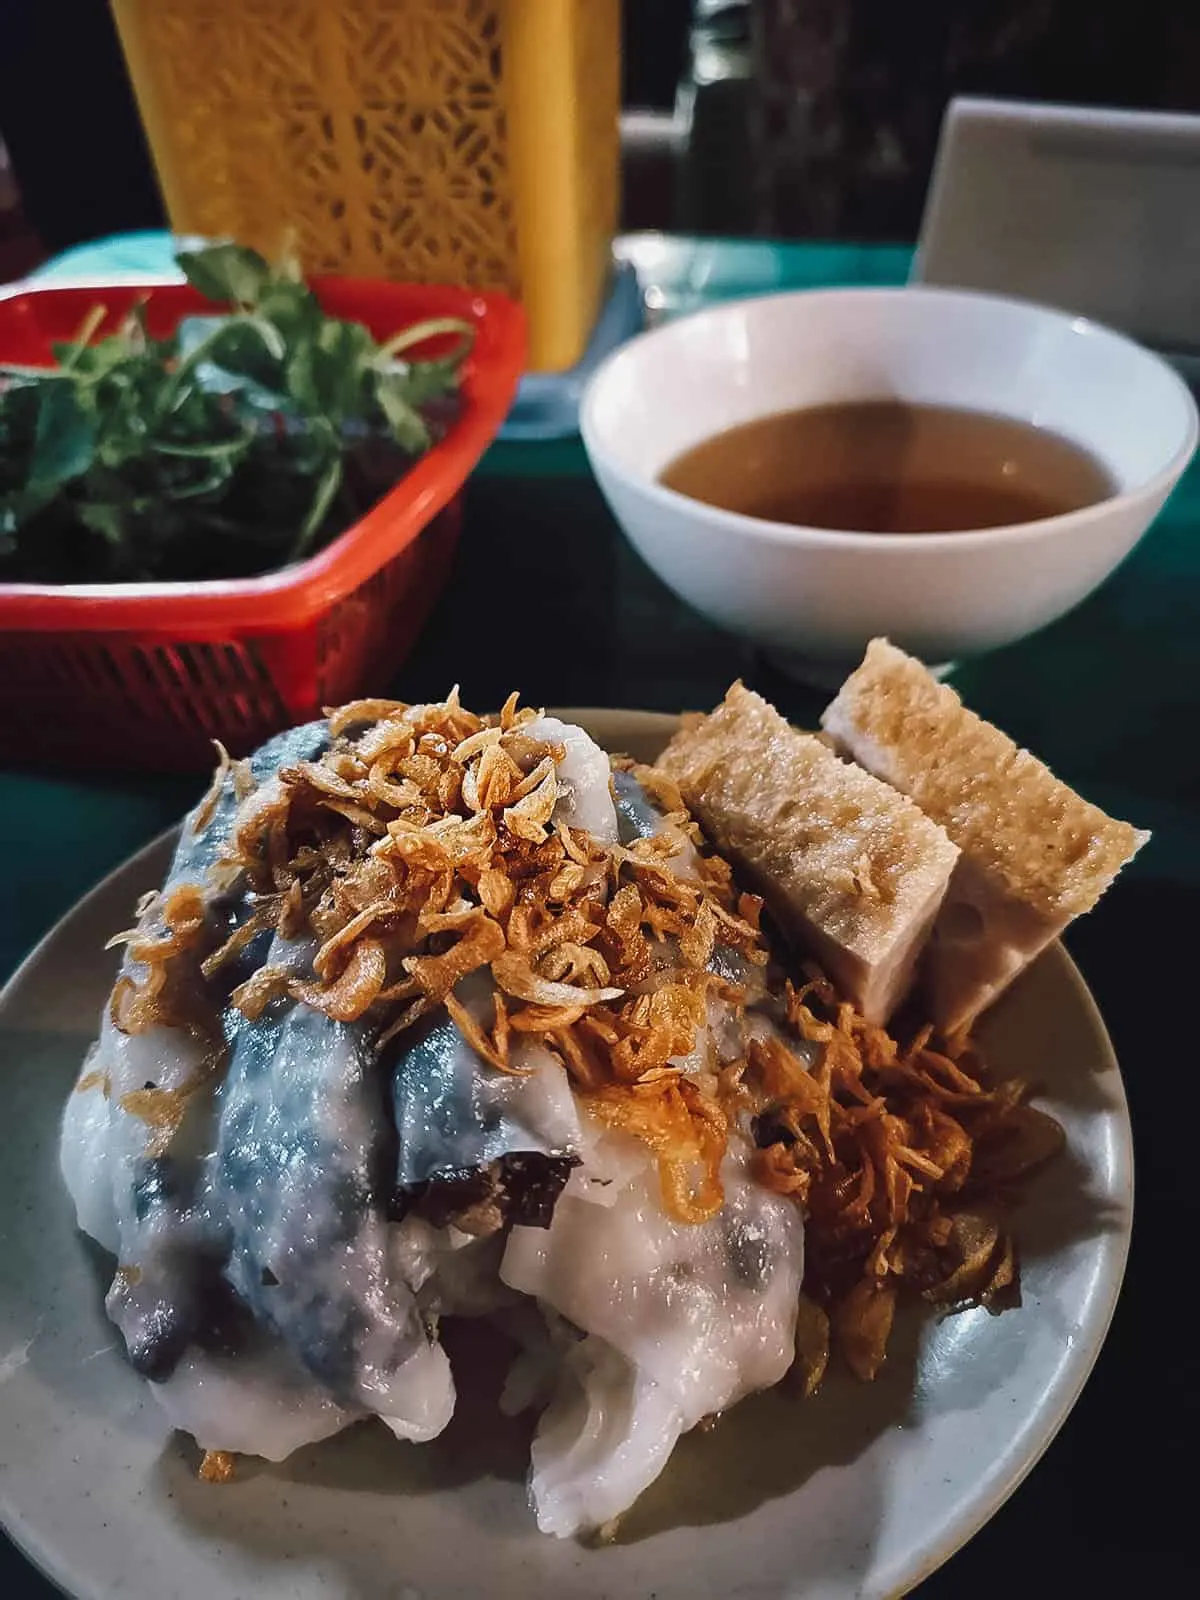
[{"x": 818, "y": 596}]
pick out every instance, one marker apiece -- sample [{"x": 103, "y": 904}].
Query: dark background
[{"x": 800, "y": 118}]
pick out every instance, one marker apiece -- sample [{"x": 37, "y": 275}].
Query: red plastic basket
[{"x": 147, "y": 675}]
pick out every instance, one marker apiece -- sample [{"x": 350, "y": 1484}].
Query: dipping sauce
[{"x": 883, "y": 466}]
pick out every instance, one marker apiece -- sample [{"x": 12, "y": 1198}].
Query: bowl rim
[{"x": 1157, "y": 485}]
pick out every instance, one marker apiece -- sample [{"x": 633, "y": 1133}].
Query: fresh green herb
[{"x": 246, "y": 440}]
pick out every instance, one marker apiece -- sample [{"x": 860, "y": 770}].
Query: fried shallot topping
[
  {"x": 424, "y": 846},
  {"x": 218, "y": 1466},
  {"x": 904, "y": 1160}
]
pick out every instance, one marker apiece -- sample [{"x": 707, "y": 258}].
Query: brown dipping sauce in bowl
[{"x": 886, "y": 466}]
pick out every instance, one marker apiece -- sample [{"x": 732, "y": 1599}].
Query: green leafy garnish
[{"x": 246, "y": 440}]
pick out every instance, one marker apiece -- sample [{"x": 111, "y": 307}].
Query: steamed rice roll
[{"x": 440, "y": 1018}]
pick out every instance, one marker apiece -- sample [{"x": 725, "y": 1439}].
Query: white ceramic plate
[{"x": 861, "y": 1492}]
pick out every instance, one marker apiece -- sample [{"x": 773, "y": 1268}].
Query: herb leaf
[
  {"x": 406, "y": 422},
  {"x": 64, "y": 441},
  {"x": 247, "y": 439},
  {"x": 226, "y": 272}
]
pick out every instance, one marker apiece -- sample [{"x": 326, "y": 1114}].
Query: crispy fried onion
[
  {"x": 422, "y": 847},
  {"x": 904, "y": 1161},
  {"x": 217, "y": 1466},
  {"x": 685, "y": 1128},
  {"x": 164, "y": 992}
]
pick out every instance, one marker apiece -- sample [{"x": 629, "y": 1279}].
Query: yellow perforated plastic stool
[{"x": 458, "y": 141}]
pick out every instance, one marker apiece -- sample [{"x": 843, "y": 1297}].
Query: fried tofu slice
[
  {"x": 1034, "y": 854},
  {"x": 850, "y": 869}
]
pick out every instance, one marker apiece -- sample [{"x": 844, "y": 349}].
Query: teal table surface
[{"x": 1108, "y": 696}]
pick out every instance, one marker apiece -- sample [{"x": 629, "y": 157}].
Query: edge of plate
[
  {"x": 99, "y": 888},
  {"x": 1086, "y": 1360}
]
